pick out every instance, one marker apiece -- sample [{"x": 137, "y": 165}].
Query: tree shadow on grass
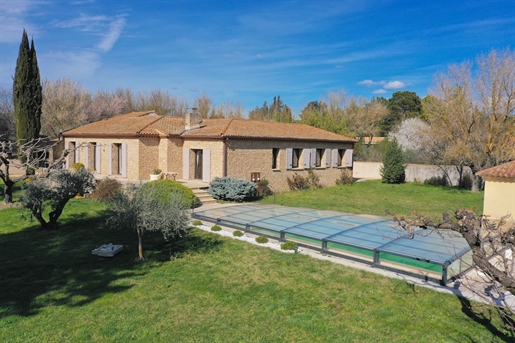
[
  {"x": 485, "y": 319},
  {"x": 42, "y": 268}
]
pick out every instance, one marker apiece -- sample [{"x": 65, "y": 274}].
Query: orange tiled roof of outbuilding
[
  {"x": 506, "y": 170},
  {"x": 150, "y": 124}
]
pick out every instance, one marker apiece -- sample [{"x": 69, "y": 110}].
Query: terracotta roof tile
[
  {"x": 506, "y": 170},
  {"x": 148, "y": 123}
]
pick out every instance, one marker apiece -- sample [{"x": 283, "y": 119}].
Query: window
[
  {"x": 341, "y": 153},
  {"x": 296, "y": 158},
  {"x": 319, "y": 156},
  {"x": 275, "y": 157}
]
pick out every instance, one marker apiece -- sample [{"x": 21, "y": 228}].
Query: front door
[{"x": 198, "y": 164}]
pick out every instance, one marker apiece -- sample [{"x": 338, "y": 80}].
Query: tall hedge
[{"x": 393, "y": 169}]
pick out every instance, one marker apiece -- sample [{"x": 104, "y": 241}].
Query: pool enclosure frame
[{"x": 370, "y": 239}]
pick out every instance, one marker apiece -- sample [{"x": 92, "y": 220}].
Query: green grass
[
  {"x": 374, "y": 197},
  {"x": 205, "y": 288}
]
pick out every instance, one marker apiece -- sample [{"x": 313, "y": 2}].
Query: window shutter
[
  {"x": 109, "y": 159},
  {"x": 86, "y": 160},
  {"x": 98, "y": 151},
  {"x": 327, "y": 158},
  {"x": 289, "y": 158},
  {"x": 335, "y": 158},
  {"x": 348, "y": 157},
  {"x": 186, "y": 163},
  {"x": 206, "y": 165},
  {"x": 124, "y": 160},
  {"x": 313, "y": 163},
  {"x": 306, "y": 158}
]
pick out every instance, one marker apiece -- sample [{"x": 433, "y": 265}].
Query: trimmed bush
[
  {"x": 345, "y": 178},
  {"x": 262, "y": 239},
  {"x": 237, "y": 233},
  {"x": 288, "y": 245},
  {"x": 106, "y": 189},
  {"x": 167, "y": 187},
  {"x": 232, "y": 189},
  {"x": 216, "y": 228},
  {"x": 196, "y": 222}
]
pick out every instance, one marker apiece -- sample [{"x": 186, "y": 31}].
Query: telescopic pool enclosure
[{"x": 435, "y": 254}]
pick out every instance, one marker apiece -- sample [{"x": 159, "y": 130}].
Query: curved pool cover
[{"x": 437, "y": 254}]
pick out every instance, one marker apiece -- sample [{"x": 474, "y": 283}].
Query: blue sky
[{"x": 249, "y": 51}]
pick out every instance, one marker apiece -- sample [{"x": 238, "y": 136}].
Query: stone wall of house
[
  {"x": 148, "y": 159},
  {"x": 216, "y": 152},
  {"x": 136, "y": 169},
  {"x": 255, "y": 156}
]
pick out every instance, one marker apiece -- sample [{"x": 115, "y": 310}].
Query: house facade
[
  {"x": 499, "y": 190},
  {"x": 132, "y": 145}
]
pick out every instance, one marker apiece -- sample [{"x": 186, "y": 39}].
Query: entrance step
[{"x": 203, "y": 196}]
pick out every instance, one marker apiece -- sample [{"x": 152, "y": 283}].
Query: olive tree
[
  {"x": 54, "y": 192},
  {"x": 144, "y": 209}
]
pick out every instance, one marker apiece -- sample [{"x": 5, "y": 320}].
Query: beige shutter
[
  {"x": 206, "y": 165},
  {"x": 186, "y": 163}
]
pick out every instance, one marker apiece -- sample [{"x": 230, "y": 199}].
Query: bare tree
[
  {"x": 65, "y": 106},
  {"x": 227, "y": 110},
  {"x": 471, "y": 114},
  {"x": 203, "y": 104},
  {"x": 7, "y": 120},
  {"x": 493, "y": 246},
  {"x": 104, "y": 105}
]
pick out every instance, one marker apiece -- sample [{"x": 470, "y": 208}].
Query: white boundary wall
[{"x": 414, "y": 172}]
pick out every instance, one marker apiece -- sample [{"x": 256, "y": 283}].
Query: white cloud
[
  {"x": 112, "y": 35},
  {"x": 394, "y": 85},
  {"x": 369, "y": 83},
  {"x": 379, "y": 91}
]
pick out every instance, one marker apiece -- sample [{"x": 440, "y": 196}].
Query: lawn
[
  {"x": 206, "y": 288},
  {"x": 374, "y": 197}
]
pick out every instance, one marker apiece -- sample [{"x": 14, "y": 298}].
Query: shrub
[
  {"x": 297, "y": 182},
  {"x": 167, "y": 187},
  {"x": 437, "y": 181},
  {"x": 264, "y": 188},
  {"x": 216, "y": 228},
  {"x": 77, "y": 166},
  {"x": 156, "y": 171},
  {"x": 345, "y": 178},
  {"x": 288, "y": 245},
  {"x": 232, "y": 189},
  {"x": 262, "y": 239},
  {"x": 237, "y": 233},
  {"x": 393, "y": 169},
  {"x": 466, "y": 182},
  {"x": 196, "y": 222},
  {"x": 313, "y": 179},
  {"x": 106, "y": 189}
]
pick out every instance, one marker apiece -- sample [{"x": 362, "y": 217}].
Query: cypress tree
[
  {"x": 393, "y": 169},
  {"x": 27, "y": 93}
]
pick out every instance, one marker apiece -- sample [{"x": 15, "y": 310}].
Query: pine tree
[
  {"x": 27, "y": 93},
  {"x": 393, "y": 169}
]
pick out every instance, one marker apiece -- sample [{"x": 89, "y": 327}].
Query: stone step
[{"x": 203, "y": 196}]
